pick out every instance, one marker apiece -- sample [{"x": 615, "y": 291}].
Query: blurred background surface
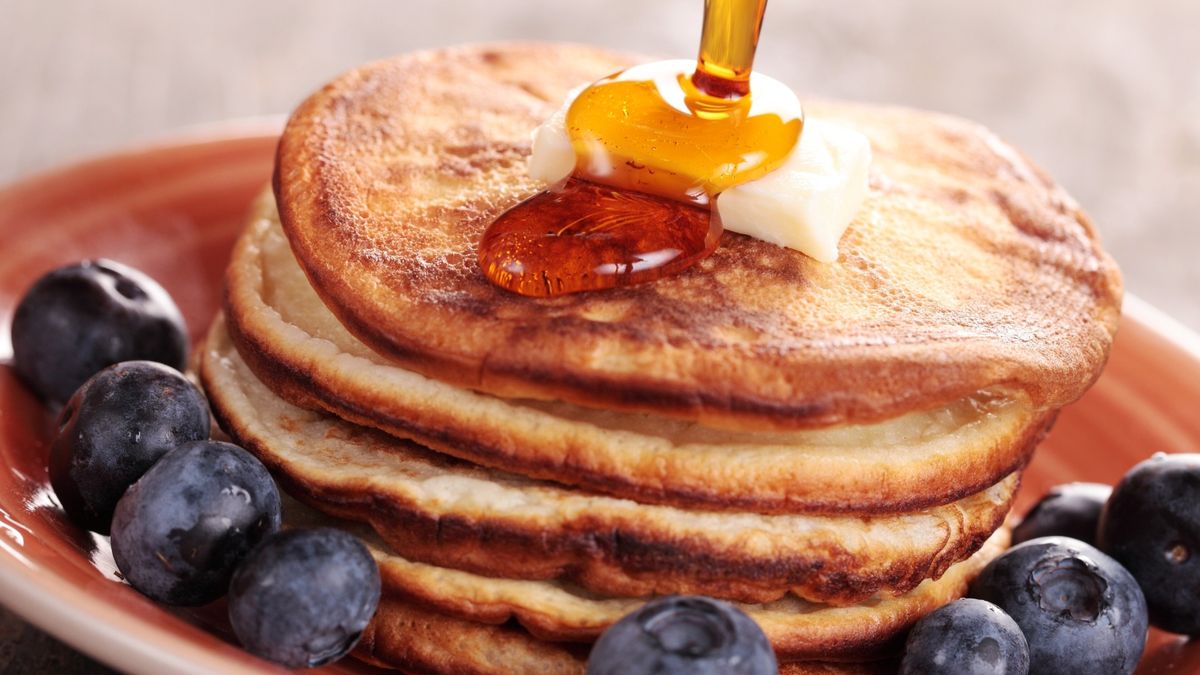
[{"x": 1104, "y": 93}]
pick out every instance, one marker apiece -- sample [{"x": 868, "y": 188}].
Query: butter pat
[
  {"x": 806, "y": 204},
  {"x": 553, "y": 157}
]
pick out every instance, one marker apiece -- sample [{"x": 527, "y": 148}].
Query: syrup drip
[
  {"x": 727, "y": 47},
  {"x": 600, "y": 240},
  {"x": 653, "y": 149}
]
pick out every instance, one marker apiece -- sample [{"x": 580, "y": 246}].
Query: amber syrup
[{"x": 653, "y": 149}]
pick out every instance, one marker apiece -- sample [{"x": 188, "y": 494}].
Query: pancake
[
  {"x": 299, "y": 349},
  {"x": 557, "y": 612},
  {"x": 434, "y": 509},
  {"x": 798, "y": 630},
  {"x": 967, "y": 269},
  {"x": 422, "y": 642}
]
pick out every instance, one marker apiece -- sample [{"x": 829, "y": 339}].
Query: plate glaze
[{"x": 173, "y": 211}]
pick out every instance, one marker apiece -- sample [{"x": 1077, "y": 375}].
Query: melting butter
[{"x": 805, "y": 204}]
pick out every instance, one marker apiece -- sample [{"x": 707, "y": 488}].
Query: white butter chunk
[
  {"x": 553, "y": 158},
  {"x": 806, "y": 204}
]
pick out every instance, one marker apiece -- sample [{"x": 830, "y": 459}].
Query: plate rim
[
  {"x": 256, "y": 127},
  {"x": 68, "y": 612},
  {"x": 101, "y": 630}
]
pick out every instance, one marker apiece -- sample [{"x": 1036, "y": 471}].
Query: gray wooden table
[{"x": 1104, "y": 93}]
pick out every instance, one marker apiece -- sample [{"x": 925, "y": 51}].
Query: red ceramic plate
[{"x": 173, "y": 211}]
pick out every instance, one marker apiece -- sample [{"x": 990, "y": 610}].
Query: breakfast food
[
  {"x": 923, "y": 458},
  {"x": 304, "y": 444},
  {"x": 418, "y": 640},
  {"x": 676, "y": 376},
  {"x": 833, "y": 446},
  {"x": 966, "y": 269},
  {"x": 893, "y": 551},
  {"x": 416, "y": 635}
]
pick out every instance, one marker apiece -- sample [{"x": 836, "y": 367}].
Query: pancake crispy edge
[
  {"x": 796, "y": 629},
  {"x": 435, "y": 509},
  {"x": 416, "y": 640},
  {"x": 967, "y": 267},
  {"x": 300, "y": 350},
  {"x": 557, "y": 612}
]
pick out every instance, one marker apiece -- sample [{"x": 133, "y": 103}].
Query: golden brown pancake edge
[
  {"x": 415, "y": 639},
  {"x": 562, "y": 613},
  {"x": 796, "y": 630},
  {"x": 612, "y": 547}
]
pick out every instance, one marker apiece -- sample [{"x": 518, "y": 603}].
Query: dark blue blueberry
[
  {"x": 1081, "y": 612},
  {"x": 1071, "y": 510},
  {"x": 966, "y": 637},
  {"x": 1152, "y": 526},
  {"x": 303, "y": 597},
  {"x": 182, "y": 528},
  {"x": 687, "y": 635},
  {"x": 77, "y": 320},
  {"x": 115, "y": 427}
]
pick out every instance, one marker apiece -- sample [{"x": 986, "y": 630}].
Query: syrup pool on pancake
[{"x": 654, "y": 146}]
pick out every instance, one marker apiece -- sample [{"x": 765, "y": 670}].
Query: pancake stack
[{"x": 833, "y": 447}]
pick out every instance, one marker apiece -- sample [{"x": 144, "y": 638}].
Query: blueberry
[
  {"x": 1071, "y": 510},
  {"x": 677, "y": 635},
  {"x": 967, "y": 637},
  {"x": 303, "y": 597},
  {"x": 1081, "y": 612},
  {"x": 114, "y": 429},
  {"x": 1152, "y": 526},
  {"x": 182, "y": 528},
  {"x": 79, "y": 319}
]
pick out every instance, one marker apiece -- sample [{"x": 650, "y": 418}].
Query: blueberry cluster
[
  {"x": 191, "y": 519},
  {"x": 1080, "y": 611},
  {"x": 1150, "y": 524},
  {"x": 1092, "y": 567}
]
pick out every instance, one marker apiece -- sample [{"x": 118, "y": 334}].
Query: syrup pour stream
[{"x": 654, "y": 147}]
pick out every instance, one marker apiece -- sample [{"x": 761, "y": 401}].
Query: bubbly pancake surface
[
  {"x": 966, "y": 269},
  {"x": 438, "y": 510},
  {"x": 301, "y": 351}
]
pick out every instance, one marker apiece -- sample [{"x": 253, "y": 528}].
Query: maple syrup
[{"x": 654, "y": 146}]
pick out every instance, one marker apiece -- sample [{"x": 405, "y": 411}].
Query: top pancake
[{"x": 966, "y": 268}]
